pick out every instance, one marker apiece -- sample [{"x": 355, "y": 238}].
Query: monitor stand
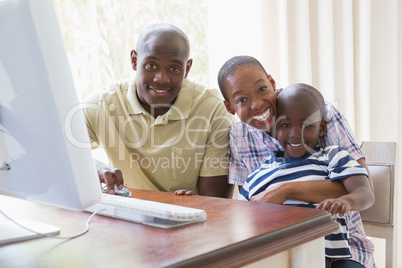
[{"x": 11, "y": 232}]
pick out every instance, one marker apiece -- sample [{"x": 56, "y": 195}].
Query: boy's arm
[
  {"x": 362, "y": 162},
  {"x": 339, "y": 133},
  {"x": 307, "y": 191},
  {"x": 360, "y": 197}
]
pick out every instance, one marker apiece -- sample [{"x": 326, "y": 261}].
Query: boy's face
[
  {"x": 161, "y": 67},
  {"x": 251, "y": 95},
  {"x": 298, "y": 127}
]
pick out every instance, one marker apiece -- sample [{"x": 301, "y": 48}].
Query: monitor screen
[{"x": 45, "y": 153}]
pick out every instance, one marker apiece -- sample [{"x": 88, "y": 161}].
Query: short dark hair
[
  {"x": 231, "y": 66},
  {"x": 162, "y": 30},
  {"x": 304, "y": 93}
]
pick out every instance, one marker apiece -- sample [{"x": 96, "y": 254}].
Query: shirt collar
[{"x": 132, "y": 102}]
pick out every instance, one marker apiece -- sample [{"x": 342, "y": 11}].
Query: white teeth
[
  {"x": 159, "y": 91},
  {"x": 295, "y": 145},
  {"x": 263, "y": 116}
]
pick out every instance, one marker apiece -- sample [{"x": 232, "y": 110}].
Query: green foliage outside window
[{"x": 99, "y": 35}]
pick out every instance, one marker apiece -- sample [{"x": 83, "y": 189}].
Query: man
[{"x": 161, "y": 130}]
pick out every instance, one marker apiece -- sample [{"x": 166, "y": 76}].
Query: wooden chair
[{"x": 378, "y": 220}]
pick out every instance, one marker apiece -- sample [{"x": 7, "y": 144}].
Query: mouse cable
[{"x": 53, "y": 235}]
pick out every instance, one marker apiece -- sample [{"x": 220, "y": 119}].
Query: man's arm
[
  {"x": 307, "y": 191},
  {"x": 109, "y": 175},
  {"x": 217, "y": 186}
]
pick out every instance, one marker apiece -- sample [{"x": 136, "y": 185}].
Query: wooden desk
[{"x": 235, "y": 233}]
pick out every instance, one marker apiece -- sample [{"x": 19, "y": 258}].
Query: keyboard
[{"x": 147, "y": 212}]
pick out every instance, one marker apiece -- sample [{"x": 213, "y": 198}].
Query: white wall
[
  {"x": 230, "y": 34},
  {"x": 358, "y": 64}
]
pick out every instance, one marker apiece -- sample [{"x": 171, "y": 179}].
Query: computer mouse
[{"x": 123, "y": 192}]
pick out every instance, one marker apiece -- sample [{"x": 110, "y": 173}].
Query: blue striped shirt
[{"x": 332, "y": 163}]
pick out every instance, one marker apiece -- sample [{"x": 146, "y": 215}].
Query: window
[{"x": 100, "y": 34}]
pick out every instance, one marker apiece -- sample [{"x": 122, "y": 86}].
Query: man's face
[
  {"x": 161, "y": 67},
  {"x": 251, "y": 95}
]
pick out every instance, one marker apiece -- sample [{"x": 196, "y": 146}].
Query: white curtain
[{"x": 350, "y": 50}]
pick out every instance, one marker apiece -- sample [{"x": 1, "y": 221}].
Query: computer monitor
[{"x": 45, "y": 153}]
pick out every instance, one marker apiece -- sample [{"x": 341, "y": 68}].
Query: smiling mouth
[
  {"x": 159, "y": 90},
  {"x": 264, "y": 116},
  {"x": 295, "y": 144}
]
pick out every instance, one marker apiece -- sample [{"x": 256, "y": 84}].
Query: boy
[{"x": 301, "y": 121}]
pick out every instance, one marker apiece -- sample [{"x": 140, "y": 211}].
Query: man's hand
[
  {"x": 110, "y": 176},
  {"x": 335, "y": 206},
  {"x": 184, "y": 192}
]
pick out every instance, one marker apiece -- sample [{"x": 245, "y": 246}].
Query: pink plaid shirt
[{"x": 249, "y": 147}]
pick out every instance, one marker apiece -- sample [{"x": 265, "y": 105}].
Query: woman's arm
[{"x": 307, "y": 191}]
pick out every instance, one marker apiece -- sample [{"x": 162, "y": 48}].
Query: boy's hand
[
  {"x": 184, "y": 192},
  {"x": 335, "y": 206}
]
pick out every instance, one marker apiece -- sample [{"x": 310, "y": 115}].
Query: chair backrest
[{"x": 380, "y": 159}]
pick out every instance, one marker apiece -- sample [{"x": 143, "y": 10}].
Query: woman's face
[{"x": 251, "y": 95}]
